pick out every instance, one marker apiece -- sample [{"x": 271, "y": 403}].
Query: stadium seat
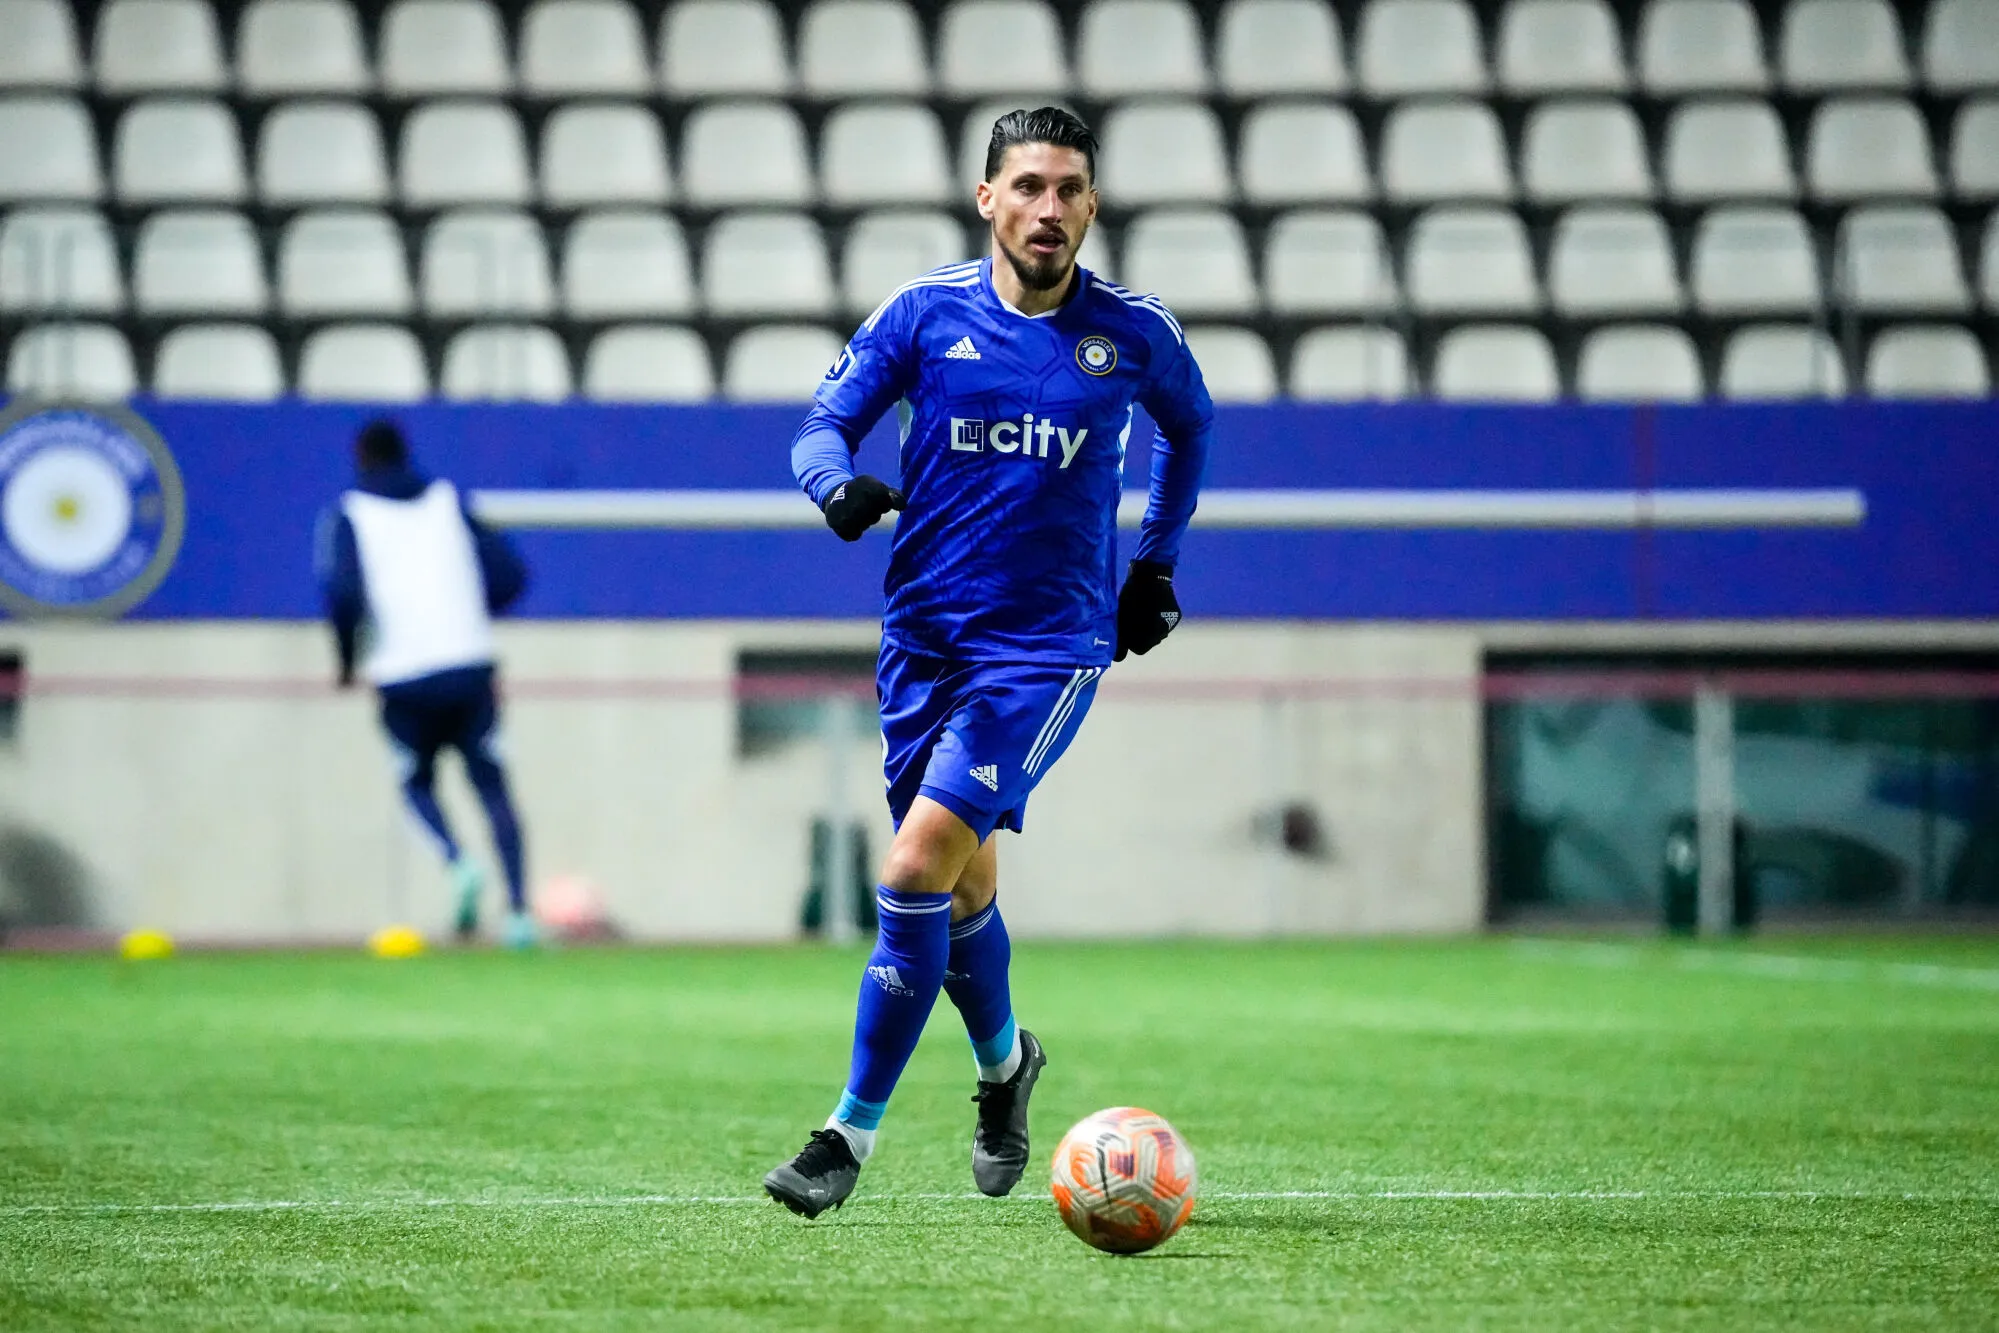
[
  {"x": 343, "y": 262},
  {"x": 584, "y": 48},
  {"x": 1896, "y": 259},
  {"x": 1774, "y": 362},
  {"x": 603, "y": 153},
  {"x": 1163, "y": 152},
  {"x": 40, "y": 50},
  {"x": 1194, "y": 259},
  {"x": 861, "y": 47},
  {"x": 1410, "y": 47},
  {"x": 47, "y": 150},
  {"x": 1095, "y": 254},
  {"x": 1495, "y": 363},
  {"x": 1974, "y": 150},
  {"x": 884, "y": 152},
  {"x": 1961, "y": 45},
  {"x": 1639, "y": 363},
  {"x": 648, "y": 363},
  {"x": 1303, "y": 152},
  {"x": 1590, "y": 149},
  {"x": 1988, "y": 264},
  {"x": 778, "y": 363},
  {"x": 710, "y": 47},
  {"x": 1612, "y": 261},
  {"x": 1279, "y": 46},
  {"x": 1131, "y": 47},
  {"x": 1470, "y": 260},
  {"x": 1349, "y": 365},
  {"x": 1927, "y": 361},
  {"x": 59, "y": 259},
  {"x": 1841, "y": 44},
  {"x": 884, "y": 250},
  {"x": 1862, "y": 147},
  {"x": 505, "y": 363},
  {"x": 744, "y": 153},
  {"x": 1700, "y": 46},
  {"x": 1330, "y": 262},
  {"x": 443, "y": 46},
  {"x": 625, "y": 264},
  {"x": 364, "y": 363},
  {"x": 462, "y": 153},
  {"x": 297, "y": 47},
  {"x": 481, "y": 262},
  {"x": 766, "y": 263},
  {"x": 321, "y": 152},
  {"x": 1235, "y": 363},
  {"x": 1729, "y": 149},
  {"x": 988, "y": 47},
  {"x": 198, "y": 260},
  {"x": 230, "y": 362},
  {"x": 1443, "y": 150},
  {"x": 148, "y": 46},
  {"x": 177, "y": 149},
  {"x": 91, "y": 361},
  {"x": 1556, "y": 46},
  {"x": 1748, "y": 260}
]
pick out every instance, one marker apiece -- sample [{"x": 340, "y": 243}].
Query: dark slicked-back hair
[
  {"x": 381, "y": 444},
  {"x": 1048, "y": 124}
]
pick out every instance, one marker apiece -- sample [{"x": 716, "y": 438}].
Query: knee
[{"x": 917, "y": 866}]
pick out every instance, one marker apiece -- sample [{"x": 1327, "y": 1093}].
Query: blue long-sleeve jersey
[{"x": 1014, "y": 430}]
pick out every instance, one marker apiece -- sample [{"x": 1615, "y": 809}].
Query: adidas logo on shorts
[
  {"x": 987, "y": 774},
  {"x": 962, "y": 350}
]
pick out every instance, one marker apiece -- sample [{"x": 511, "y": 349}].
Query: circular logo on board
[
  {"x": 91, "y": 510},
  {"x": 1097, "y": 354}
]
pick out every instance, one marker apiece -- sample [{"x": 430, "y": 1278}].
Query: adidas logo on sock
[
  {"x": 962, "y": 350},
  {"x": 889, "y": 979},
  {"x": 988, "y": 774}
]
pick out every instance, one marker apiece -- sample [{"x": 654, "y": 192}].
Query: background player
[
  {"x": 406, "y": 567},
  {"x": 1017, "y": 376}
]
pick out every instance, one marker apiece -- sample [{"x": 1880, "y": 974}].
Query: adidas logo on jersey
[
  {"x": 987, "y": 774},
  {"x": 890, "y": 980},
  {"x": 962, "y": 350}
]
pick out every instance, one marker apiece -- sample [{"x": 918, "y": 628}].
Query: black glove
[
  {"x": 1147, "y": 610},
  {"x": 858, "y": 505}
]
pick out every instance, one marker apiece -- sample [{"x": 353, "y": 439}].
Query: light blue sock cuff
[
  {"x": 994, "y": 1050},
  {"x": 864, "y": 1115}
]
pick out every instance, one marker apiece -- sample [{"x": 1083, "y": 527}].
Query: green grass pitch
[{"x": 1480, "y": 1134}]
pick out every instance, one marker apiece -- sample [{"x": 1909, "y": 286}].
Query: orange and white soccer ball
[{"x": 1124, "y": 1179}]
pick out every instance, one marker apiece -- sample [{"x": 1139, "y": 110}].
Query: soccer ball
[{"x": 1124, "y": 1180}]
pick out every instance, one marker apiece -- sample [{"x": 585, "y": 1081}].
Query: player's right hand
[{"x": 860, "y": 504}]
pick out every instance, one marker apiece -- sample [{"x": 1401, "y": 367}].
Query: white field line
[{"x": 1780, "y": 965}]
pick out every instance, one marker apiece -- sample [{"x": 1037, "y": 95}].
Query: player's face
[{"x": 1041, "y": 203}]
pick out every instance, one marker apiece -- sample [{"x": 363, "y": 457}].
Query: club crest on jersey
[{"x": 1097, "y": 354}]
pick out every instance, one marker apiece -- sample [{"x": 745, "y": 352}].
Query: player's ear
[{"x": 984, "y": 196}]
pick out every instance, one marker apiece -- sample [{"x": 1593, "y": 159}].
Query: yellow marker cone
[
  {"x": 140, "y": 945},
  {"x": 396, "y": 942}
]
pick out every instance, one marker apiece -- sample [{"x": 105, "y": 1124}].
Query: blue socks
[
  {"x": 490, "y": 781},
  {"x": 976, "y": 981},
  {"x": 422, "y": 799},
  {"x": 900, "y": 986}
]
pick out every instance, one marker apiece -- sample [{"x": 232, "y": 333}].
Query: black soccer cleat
[
  {"x": 820, "y": 1177},
  {"x": 999, "y": 1139}
]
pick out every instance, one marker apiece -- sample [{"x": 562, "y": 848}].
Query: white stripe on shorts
[{"x": 1064, "y": 707}]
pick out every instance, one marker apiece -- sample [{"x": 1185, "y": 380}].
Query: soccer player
[
  {"x": 1016, "y": 377},
  {"x": 412, "y": 581}
]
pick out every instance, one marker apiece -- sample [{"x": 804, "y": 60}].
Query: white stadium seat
[
  {"x": 1589, "y": 149},
  {"x": 198, "y": 260},
  {"x": 1330, "y": 262},
  {"x": 1495, "y": 363},
  {"x": 988, "y": 47},
  {"x": 1094, "y": 255},
  {"x": 1612, "y": 261},
  {"x": 90, "y": 361},
  {"x": 1868, "y": 146},
  {"x": 1639, "y": 363},
  {"x": 1729, "y": 149},
  {"x": 40, "y": 50},
  {"x": 584, "y": 48},
  {"x": 861, "y": 47},
  {"x": 59, "y": 259},
  {"x": 710, "y": 47},
  {"x": 1833, "y": 44},
  {"x": 884, "y": 152},
  {"x": 1700, "y": 46},
  {"x": 146, "y": 46},
  {"x": 1470, "y": 260},
  {"x": 321, "y": 152},
  {"x": 505, "y": 363},
  {"x": 778, "y": 363},
  {"x": 1898, "y": 259},
  {"x": 1350, "y": 365},
  {"x": 228, "y": 362},
  {"x": 463, "y": 153},
  {"x": 363, "y": 363},
  {"x": 1554, "y": 46},
  {"x": 603, "y": 153},
  {"x": 1413, "y": 47},
  {"x": 1163, "y": 152},
  {"x": 178, "y": 149},
  {"x": 1927, "y": 361},
  {"x": 1193, "y": 259},
  {"x": 884, "y": 250},
  {"x": 1961, "y": 45},
  {"x": 1988, "y": 264},
  {"x": 1303, "y": 152},
  {"x": 1974, "y": 150},
  {"x": 1749, "y": 260},
  {"x": 1779, "y": 362},
  {"x": 343, "y": 262},
  {"x": 1444, "y": 150},
  {"x": 294, "y": 47},
  {"x": 1235, "y": 363},
  {"x": 622, "y": 265},
  {"x": 648, "y": 363},
  {"x": 766, "y": 263},
  {"x": 480, "y": 262},
  {"x": 1279, "y": 46},
  {"x": 1129, "y": 47},
  {"x": 47, "y": 150},
  {"x": 744, "y": 153},
  {"x": 443, "y": 46}
]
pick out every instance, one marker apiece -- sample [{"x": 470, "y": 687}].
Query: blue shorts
[
  {"x": 456, "y": 709},
  {"x": 976, "y": 737}
]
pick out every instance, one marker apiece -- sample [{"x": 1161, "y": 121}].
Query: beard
[{"x": 1039, "y": 275}]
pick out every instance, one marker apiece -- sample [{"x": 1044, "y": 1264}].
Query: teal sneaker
[
  {"x": 470, "y": 882},
  {"x": 521, "y": 932}
]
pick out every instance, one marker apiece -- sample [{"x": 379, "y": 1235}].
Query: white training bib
[{"x": 426, "y": 596}]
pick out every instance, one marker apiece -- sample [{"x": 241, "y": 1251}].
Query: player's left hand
[
  {"x": 859, "y": 504},
  {"x": 1147, "y": 610},
  {"x": 345, "y": 679}
]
